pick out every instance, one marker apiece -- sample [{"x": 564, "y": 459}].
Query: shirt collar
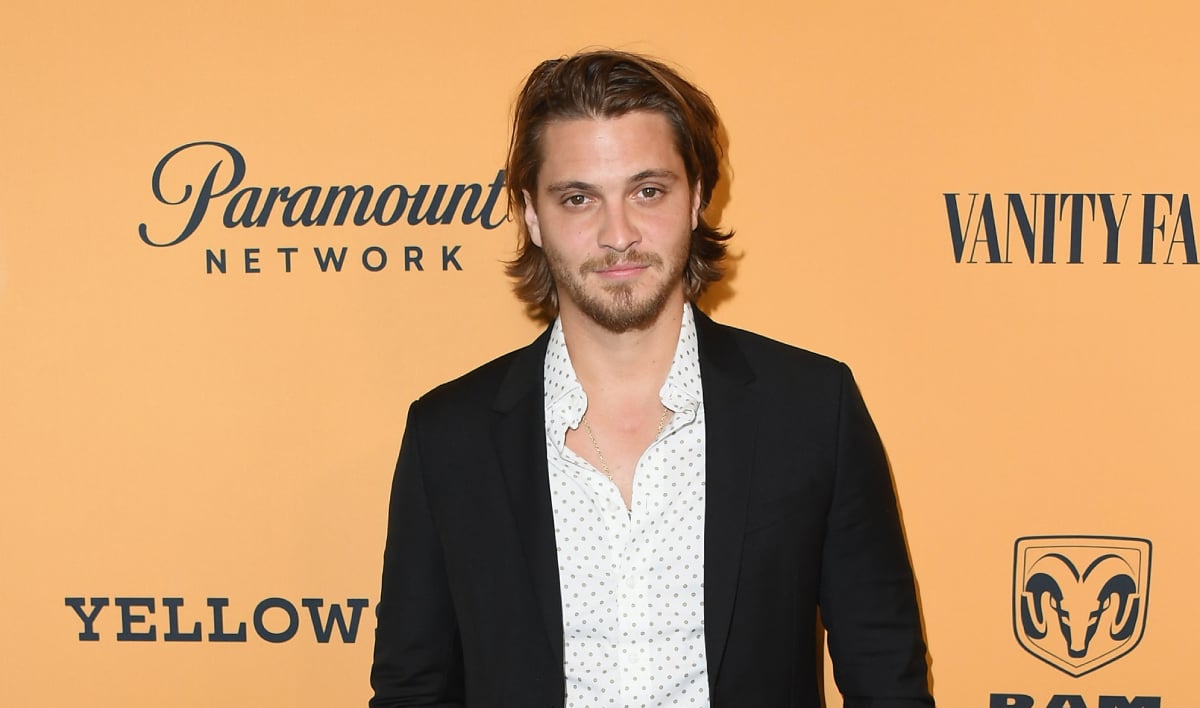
[
  {"x": 564, "y": 398},
  {"x": 682, "y": 391}
]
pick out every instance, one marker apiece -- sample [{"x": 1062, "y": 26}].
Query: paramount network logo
[
  {"x": 206, "y": 180},
  {"x": 1079, "y": 602}
]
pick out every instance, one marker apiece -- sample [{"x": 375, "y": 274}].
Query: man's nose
[{"x": 619, "y": 231}]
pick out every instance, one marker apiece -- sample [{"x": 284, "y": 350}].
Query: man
[{"x": 642, "y": 507}]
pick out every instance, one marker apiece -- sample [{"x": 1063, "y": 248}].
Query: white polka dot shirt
[{"x": 632, "y": 580}]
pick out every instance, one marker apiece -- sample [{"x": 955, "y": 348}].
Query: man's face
[{"x": 614, "y": 214}]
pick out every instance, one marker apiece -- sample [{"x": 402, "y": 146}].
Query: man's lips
[
  {"x": 616, "y": 266},
  {"x": 622, "y": 270}
]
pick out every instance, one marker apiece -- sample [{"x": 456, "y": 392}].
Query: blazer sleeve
[
  {"x": 867, "y": 595},
  {"x": 418, "y": 655}
]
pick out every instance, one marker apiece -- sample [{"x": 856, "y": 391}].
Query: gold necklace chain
[{"x": 587, "y": 427}]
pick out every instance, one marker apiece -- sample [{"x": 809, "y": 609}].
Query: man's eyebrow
[
  {"x": 654, "y": 174},
  {"x": 570, "y": 186}
]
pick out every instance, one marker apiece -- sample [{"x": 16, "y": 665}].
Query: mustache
[{"x": 620, "y": 260}]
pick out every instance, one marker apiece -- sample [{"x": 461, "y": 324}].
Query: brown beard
[{"x": 615, "y": 308}]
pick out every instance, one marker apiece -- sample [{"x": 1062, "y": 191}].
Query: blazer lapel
[
  {"x": 519, "y": 436},
  {"x": 730, "y": 434}
]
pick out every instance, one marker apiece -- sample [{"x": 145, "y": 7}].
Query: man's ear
[
  {"x": 696, "y": 205},
  {"x": 531, "y": 220}
]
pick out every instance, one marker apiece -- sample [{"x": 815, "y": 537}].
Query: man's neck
[{"x": 624, "y": 364}]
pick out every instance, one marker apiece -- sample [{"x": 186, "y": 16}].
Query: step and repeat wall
[{"x": 237, "y": 239}]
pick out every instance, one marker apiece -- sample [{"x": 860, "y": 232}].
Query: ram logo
[{"x": 1079, "y": 602}]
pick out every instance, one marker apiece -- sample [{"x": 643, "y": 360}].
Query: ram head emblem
[{"x": 1080, "y": 602}]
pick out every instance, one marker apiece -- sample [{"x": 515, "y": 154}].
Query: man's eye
[
  {"x": 649, "y": 192},
  {"x": 576, "y": 200}
]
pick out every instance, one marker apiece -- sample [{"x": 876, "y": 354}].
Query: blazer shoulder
[
  {"x": 773, "y": 358},
  {"x": 477, "y": 386},
  {"x": 506, "y": 378}
]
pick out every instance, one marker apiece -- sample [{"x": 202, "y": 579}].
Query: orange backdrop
[{"x": 213, "y": 440}]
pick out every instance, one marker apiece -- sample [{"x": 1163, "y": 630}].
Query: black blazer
[{"x": 800, "y": 514}]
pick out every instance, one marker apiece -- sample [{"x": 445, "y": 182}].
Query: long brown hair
[{"x": 609, "y": 84}]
